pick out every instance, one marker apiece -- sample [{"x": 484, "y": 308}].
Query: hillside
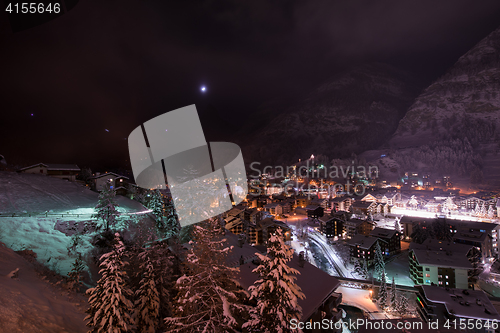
[
  {"x": 32, "y": 304},
  {"x": 453, "y": 125},
  {"x": 355, "y": 110}
]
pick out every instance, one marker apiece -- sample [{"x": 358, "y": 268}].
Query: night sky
[{"x": 92, "y": 75}]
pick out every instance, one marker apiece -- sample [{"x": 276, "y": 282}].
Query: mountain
[
  {"x": 355, "y": 110},
  {"x": 453, "y": 124}
]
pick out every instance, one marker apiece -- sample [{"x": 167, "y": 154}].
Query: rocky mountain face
[
  {"x": 453, "y": 124},
  {"x": 354, "y": 111}
]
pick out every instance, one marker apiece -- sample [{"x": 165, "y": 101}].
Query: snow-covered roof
[
  {"x": 54, "y": 167},
  {"x": 109, "y": 174},
  {"x": 362, "y": 241},
  {"x": 455, "y": 302},
  {"x": 442, "y": 259},
  {"x": 383, "y": 233}
]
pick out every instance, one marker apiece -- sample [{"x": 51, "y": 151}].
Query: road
[{"x": 329, "y": 253}]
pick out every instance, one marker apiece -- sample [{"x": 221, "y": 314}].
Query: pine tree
[
  {"x": 155, "y": 204},
  {"x": 275, "y": 291},
  {"x": 393, "y": 298},
  {"x": 397, "y": 226},
  {"x": 75, "y": 275},
  {"x": 379, "y": 260},
  {"x": 109, "y": 301},
  {"x": 172, "y": 227},
  {"x": 491, "y": 212},
  {"x": 382, "y": 292},
  {"x": 147, "y": 304},
  {"x": 402, "y": 305},
  {"x": 106, "y": 206},
  {"x": 209, "y": 296}
]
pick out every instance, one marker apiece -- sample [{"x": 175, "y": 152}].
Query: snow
[
  {"x": 49, "y": 236},
  {"x": 361, "y": 299},
  {"x": 31, "y": 304}
]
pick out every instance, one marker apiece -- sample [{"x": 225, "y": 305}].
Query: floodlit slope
[
  {"x": 32, "y": 193},
  {"x": 31, "y": 304}
]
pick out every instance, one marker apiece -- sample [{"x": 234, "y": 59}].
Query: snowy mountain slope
[
  {"x": 31, "y": 304},
  {"x": 463, "y": 106},
  {"x": 20, "y": 192},
  {"x": 356, "y": 110}
]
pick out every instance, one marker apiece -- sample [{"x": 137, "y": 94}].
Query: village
[{"x": 378, "y": 255}]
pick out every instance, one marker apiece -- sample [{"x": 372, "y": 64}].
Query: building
[
  {"x": 439, "y": 304},
  {"x": 409, "y": 222},
  {"x": 314, "y": 212},
  {"x": 116, "y": 181},
  {"x": 441, "y": 263},
  {"x": 340, "y": 204},
  {"x": 274, "y": 208},
  {"x": 357, "y": 226},
  {"x": 331, "y": 226},
  {"x": 362, "y": 247},
  {"x": 62, "y": 171},
  {"x": 363, "y": 208},
  {"x": 482, "y": 235},
  {"x": 391, "y": 238}
]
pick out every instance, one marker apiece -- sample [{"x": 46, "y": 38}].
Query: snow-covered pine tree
[
  {"x": 75, "y": 275},
  {"x": 483, "y": 212},
  {"x": 402, "y": 305},
  {"x": 110, "y": 305},
  {"x": 275, "y": 291},
  {"x": 147, "y": 303},
  {"x": 393, "y": 297},
  {"x": 382, "y": 292},
  {"x": 171, "y": 222},
  {"x": 209, "y": 296},
  {"x": 106, "y": 206},
  {"x": 379, "y": 260},
  {"x": 491, "y": 212},
  {"x": 155, "y": 204},
  {"x": 397, "y": 226}
]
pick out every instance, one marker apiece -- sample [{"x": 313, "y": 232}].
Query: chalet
[
  {"x": 313, "y": 211},
  {"x": 392, "y": 240},
  {"x": 268, "y": 226},
  {"x": 362, "y": 247},
  {"x": 331, "y": 226},
  {"x": 357, "y": 226},
  {"x": 274, "y": 208},
  {"x": 302, "y": 201},
  {"x": 364, "y": 208},
  {"x": 340, "y": 203},
  {"x": 252, "y": 214},
  {"x": 62, "y": 171},
  {"x": 117, "y": 182},
  {"x": 320, "y": 202}
]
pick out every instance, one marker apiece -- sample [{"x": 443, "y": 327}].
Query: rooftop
[
  {"x": 473, "y": 304},
  {"x": 364, "y": 242},
  {"x": 383, "y": 233}
]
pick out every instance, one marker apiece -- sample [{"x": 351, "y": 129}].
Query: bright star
[{"x": 203, "y": 88}]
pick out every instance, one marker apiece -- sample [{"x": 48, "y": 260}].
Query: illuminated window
[{"x": 427, "y": 275}]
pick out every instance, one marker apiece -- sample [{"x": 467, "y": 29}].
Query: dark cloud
[{"x": 115, "y": 64}]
